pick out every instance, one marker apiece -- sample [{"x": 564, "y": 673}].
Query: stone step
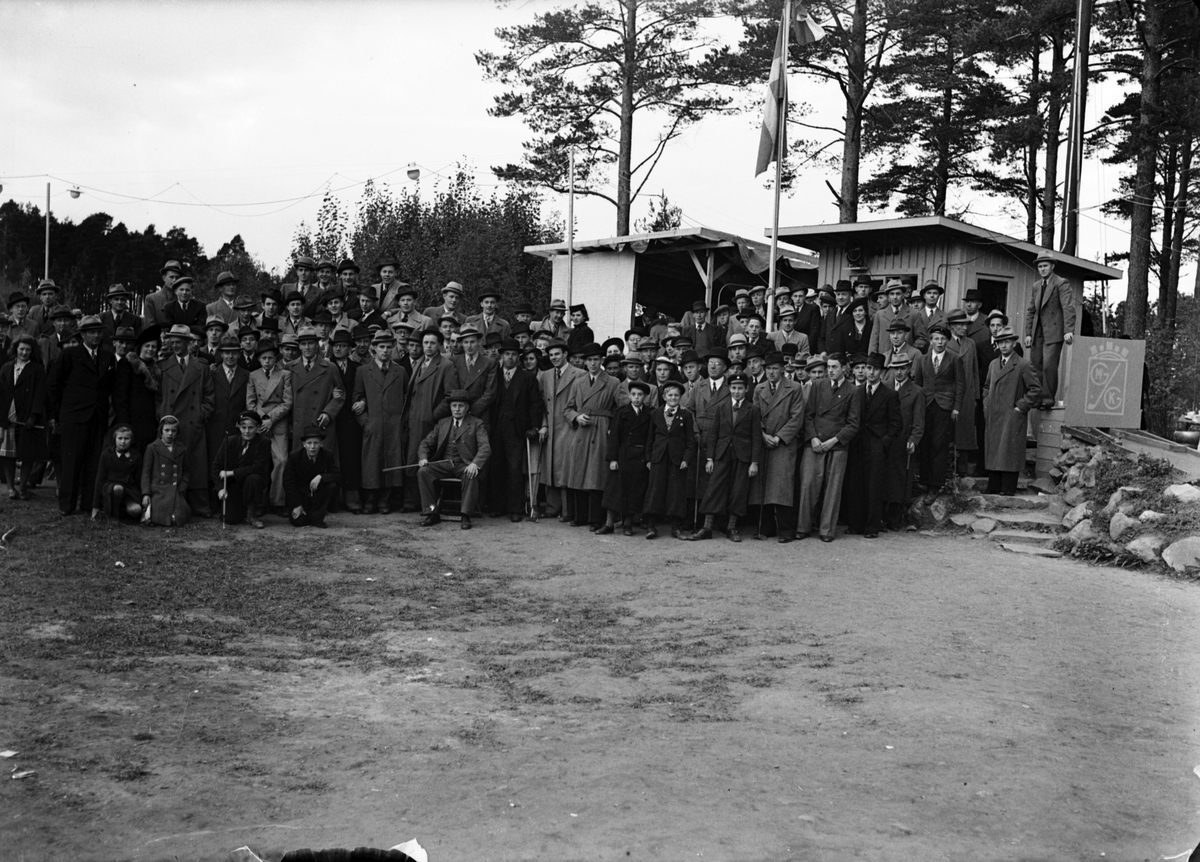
[
  {"x": 1030, "y": 550},
  {"x": 1022, "y": 537},
  {"x": 979, "y": 483},
  {"x": 1020, "y": 501},
  {"x": 1017, "y": 519}
]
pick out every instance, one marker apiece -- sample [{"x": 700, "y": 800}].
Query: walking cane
[
  {"x": 533, "y": 512},
  {"x": 225, "y": 483}
]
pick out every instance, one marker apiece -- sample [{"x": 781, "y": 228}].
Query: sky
[{"x": 234, "y": 118}]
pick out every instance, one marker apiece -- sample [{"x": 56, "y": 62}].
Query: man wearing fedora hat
[
  {"x": 516, "y": 416},
  {"x": 555, "y": 321},
  {"x": 591, "y": 405},
  {"x": 456, "y": 448},
  {"x": 243, "y": 321},
  {"x": 702, "y": 331},
  {"x": 403, "y": 311},
  {"x": 434, "y": 377},
  {"x": 242, "y": 471},
  {"x": 780, "y": 403},
  {"x": 904, "y": 453},
  {"x": 965, "y": 438},
  {"x": 892, "y": 310},
  {"x": 18, "y": 309},
  {"x": 309, "y": 291},
  {"x": 186, "y": 391},
  {"x": 940, "y": 373},
  {"x": 229, "y": 394},
  {"x": 378, "y": 403},
  {"x": 318, "y": 392},
  {"x": 349, "y": 433},
  {"x": 183, "y": 309},
  {"x": 555, "y": 384},
  {"x": 1011, "y": 390},
  {"x": 929, "y": 315},
  {"x": 310, "y": 479},
  {"x": 48, "y": 294},
  {"x": 222, "y": 306},
  {"x": 839, "y": 316},
  {"x": 79, "y": 387},
  {"x": 1049, "y": 323},
  {"x": 476, "y": 372},
  {"x": 488, "y": 321},
  {"x": 269, "y": 394},
  {"x": 154, "y": 306},
  {"x": 832, "y": 413},
  {"x": 63, "y": 333},
  {"x": 706, "y": 395},
  {"x": 452, "y": 295},
  {"x": 880, "y": 425}
]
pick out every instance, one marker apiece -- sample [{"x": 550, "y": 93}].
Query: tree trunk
[
  {"x": 1031, "y": 151},
  {"x": 1146, "y": 136},
  {"x": 625, "y": 149},
  {"x": 1168, "y": 306},
  {"x": 856, "y": 76},
  {"x": 1168, "y": 222},
  {"x": 1054, "y": 112},
  {"x": 942, "y": 171}
]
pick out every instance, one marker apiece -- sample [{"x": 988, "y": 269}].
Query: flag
[
  {"x": 804, "y": 28},
  {"x": 772, "y": 125}
]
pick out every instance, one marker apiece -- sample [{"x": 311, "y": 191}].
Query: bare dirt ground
[{"x": 537, "y": 692}]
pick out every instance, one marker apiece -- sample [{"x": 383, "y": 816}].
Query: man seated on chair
[{"x": 457, "y": 448}]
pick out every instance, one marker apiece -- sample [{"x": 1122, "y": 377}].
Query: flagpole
[{"x": 773, "y": 277}]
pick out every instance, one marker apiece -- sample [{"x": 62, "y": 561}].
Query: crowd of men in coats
[{"x": 332, "y": 393}]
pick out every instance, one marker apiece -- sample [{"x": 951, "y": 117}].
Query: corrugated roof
[{"x": 681, "y": 239}]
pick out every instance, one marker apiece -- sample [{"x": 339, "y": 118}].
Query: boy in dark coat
[
  {"x": 670, "y": 451},
  {"x": 310, "y": 480},
  {"x": 626, "y": 453},
  {"x": 735, "y": 449},
  {"x": 242, "y": 469},
  {"x": 879, "y": 426}
]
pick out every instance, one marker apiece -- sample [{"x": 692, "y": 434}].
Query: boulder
[
  {"x": 1087, "y": 475},
  {"x": 1152, "y": 517},
  {"x": 1182, "y": 493},
  {"x": 1120, "y": 496},
  {"x": 1074, "y": 497},
  {"x": 1054, "y": 473},
  {"x": 963, "y": 519},
  {"x": 1045, "y": 484},
  {"x": 1077, "y": 514},
  {"x": 1120, "y": 525},
  {"x": 983, "y": 525},
  {"x": 1073, "y": 476},
  {"x": 1182, "y": 554},
  {"x": 1082, "y": 532},
  {"x": 1146, "y": 547}
]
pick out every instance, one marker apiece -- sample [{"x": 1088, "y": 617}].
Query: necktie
[
  {"x": 897, "y": 385},
  {"x": 593, "y": 376},
  {"x": 470, "y": 363},
  {"x": 558, "y": 374},
  {"x": 182, "y": 362},
  {"x": 937, "y": 362},
  {"x": 714, "y": 387},
  {"x": 229, "y": 374},
  {"x": 457, "y": 423}
]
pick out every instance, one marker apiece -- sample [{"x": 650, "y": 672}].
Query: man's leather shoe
[
  {"x": 257, "y": 524},
  {"x": 604, "y": 530},
  {"x": 516, "y": 519},
  {"x": 431, "y": 519},
  {"x": 372, "y": 508},
  {"x": 871, "y": 536},
  {"x": 676, "y": 533},
  {"x": 784, "y": 538},
  {"x": 827, "y": 538},
  {"x": 700, "y": 535},
  {"x": 628, "y": 531},
  {"x": 385, "y": 509},
  {"x": 734, "y": 535},
  {"x": 802, "y": 536},
  {"x": 652, "y": 533},
  {"x": 466, "y": 523}
]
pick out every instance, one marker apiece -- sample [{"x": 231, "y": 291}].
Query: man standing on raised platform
[
  {"x": 1049, "y": 323},
  {"x": 1011, "y": 391}
]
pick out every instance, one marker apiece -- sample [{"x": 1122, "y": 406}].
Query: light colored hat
[{"x": 176, "y": 331}]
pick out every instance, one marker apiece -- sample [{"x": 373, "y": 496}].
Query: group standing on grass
[{"x": 331, "y": 394}]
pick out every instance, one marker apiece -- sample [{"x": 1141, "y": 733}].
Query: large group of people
[{"x": 329, "y": 393}]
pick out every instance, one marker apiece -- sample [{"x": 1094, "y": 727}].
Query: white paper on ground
[{"x": 413, "y": 849}]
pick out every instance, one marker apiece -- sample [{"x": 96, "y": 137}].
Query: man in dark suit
[
  {"x": 242, "y": 468},
  {"x": 476, "y": 372},
  {"x": 118, "y": 315},
  {"x": 229, "y": 395},
  {"x": 516, "y": 416},
  {"x": 904, "y": 452},
  {"x": 457, "y": 448},
  {"x": 734, "y": 453},
  {"x": 310, "y": 480},
  {"x": 186, "y": 392},
  {"x": 940, "y": 373},
  {"x": 80, "y": 385},
  {"x": 838, "y": 316},
  {"x": 183, "y": 309},
  {"x": 808, "y": 316},
  {"x": 1049, "y": 323},
  {"x": 832, "y": 415},
  {"x": 880, "y": 425}
]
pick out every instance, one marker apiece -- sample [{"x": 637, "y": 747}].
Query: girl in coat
[
  {"x": 670, "y": 450},
  {"x": 165, "y": 478},
  {"x": 118, "y": 477},
  {"x": 22, "y": 414}
]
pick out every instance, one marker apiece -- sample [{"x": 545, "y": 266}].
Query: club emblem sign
[{"x": 1104, "y": 382}]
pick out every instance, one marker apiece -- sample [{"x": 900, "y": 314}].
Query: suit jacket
[
  {"x": 471, "y": 438},
  {"x": 111, "y": 324},
  {"x": 270, "y": 397},
  {"x": 313, "y": 394},
  {"x": 629, "y": 435},
  {"x": 1052, "y": 307},
  {"x": 922, "y": 323},
  {"x": 703, "y": 404},
  {"x": 833, "y": 320},
  {"x": 676, "y": 444},
  {"x": 436, "y": 312},
  {"x": 39, "y": 316},
  {"x": 299, "y": 470},
  {"x": 50, "y": 348},
  {"x": 948, "y": 387},
  {"x": 912, "y": 413},
  {"x": 704, "y": 338},
  {"x": 80, "y": 387},
  {"x": 809, "y": 321},
  {"x": 256, "y": 460},
  {"x": 229, "y": 399},
  {"x": 830, "y": 413},
  {"x": 889, "y": 357},
  {"x": 480, "y": 382},
  {"x": 741, "y": 438},
  {"x": 222, "y": 309},
  {"x": 518, "y": 406},
  {"x": 880, "y": 414},
  {"x": 884, "y": 318},
  {"x": 154, "y": 307},
  {"x": 847, "y": 339},
  {"x": 498, "y": 325},
  {"x": 193, "y": 315}
]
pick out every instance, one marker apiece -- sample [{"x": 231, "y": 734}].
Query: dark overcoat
[{"x": 1008, "y": 394}]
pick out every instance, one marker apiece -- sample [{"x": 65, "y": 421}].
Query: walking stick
[
  {"x": 533, "y": 512},
  {"x": 410, "y": 466},
  {"x": 225, "y": 483}
]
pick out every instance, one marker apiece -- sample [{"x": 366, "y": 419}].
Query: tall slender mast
[
  {"x": 1070, "y": 210},
  {"x": 773, "y": 278}
]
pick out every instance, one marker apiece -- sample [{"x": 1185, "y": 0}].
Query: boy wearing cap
[
  {"x": 456, "y": 448},
  {"x": 964, "y": 347},
  {"x": 269, "y": 394},
  {"x": 733, "y": 453},
  {"x": 634, "y": 373},
  {"x": 625, "y": 490},
  {"x": 310, "y": 479},
  {"x": 780, "y": 404},
  {"x": 555, "y": 384},
  {"x": 670, "y": 454},
  {"x": 1011, "y": 390},
  {"x": 832, "y": 414},
  {"x": 378, "y": 403},
  {"x": 242, "y": 467},
  {"x": 1049, "y": 323},
  {"x": 434, "y": 377},
  {"x": 186, "y": 391},
  {"x": 487, "y": 321},
  {"x": 591, "y": 405},
  {"x": 940, "y": 373},
  {"x": 516, "y": 416},
  {"x": 184, "y": 310}
]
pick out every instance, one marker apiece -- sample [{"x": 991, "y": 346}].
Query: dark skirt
[{"x": 32, "y": 444}]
